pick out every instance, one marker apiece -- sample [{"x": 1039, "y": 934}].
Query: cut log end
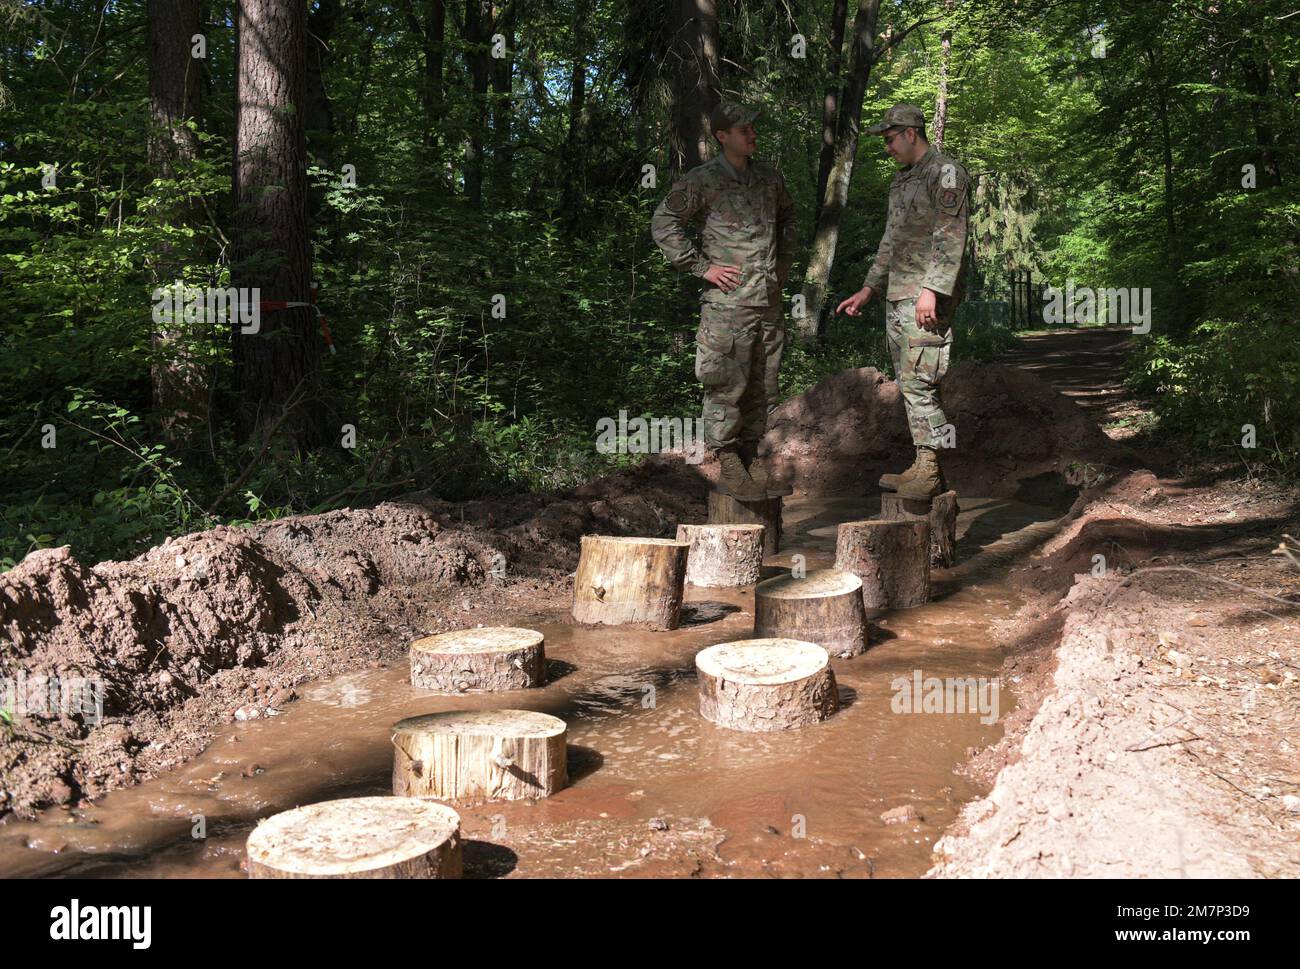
[
  {"x": 479, "y": 660},
  {"x": 480, "y": 754},
  {"x": 630, "y": 581},
  {"x": 824, "y": 607},
  {"x": 361, "y": 837},
  {"x": 761, "y": 685},
  {"x": 723, "y": 556}
]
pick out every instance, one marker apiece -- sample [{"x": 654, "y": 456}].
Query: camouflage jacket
[
  {"x": 924, "y": 245},
  {"x": 746, "y": 220}
]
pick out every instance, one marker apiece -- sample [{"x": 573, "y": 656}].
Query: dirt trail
[
  {"x": 1158, "y": 711},
  {"x": 253, "y": 643}
]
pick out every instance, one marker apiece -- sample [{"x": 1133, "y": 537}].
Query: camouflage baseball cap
[
  {"x": 728, "y": 114},
  {"x": 899, "y": 116}
]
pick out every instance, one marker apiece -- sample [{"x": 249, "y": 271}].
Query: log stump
[
  {"x": 479, "y": 660},
  {"x": 892, "y": 558},
  {"x": 502, "y": 755},
  {"x": 723, "y": 556},
  {"x": 726, "y": 510},
  {"x": 940, "y": 511},
  {"x": 358, "y": 837},
  {"x": 823, "y": 607},
  {"x": 630, "y": 581},
  {"x": 762, "y": 685}
]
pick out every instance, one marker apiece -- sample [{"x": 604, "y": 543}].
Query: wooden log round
[
  {"x": 723, "y": 556},
  {"x": 502, "y": 755},
  {"x": 358, "y": 837},
  {"x": 761, "y": 685},
  {"x": 726, "y": 510},
  {"x": 892, "y": 558},
  {"x": 941, "y": 512},
  {"x": 823, "y": 607},
  {"x": 630, "y": 581},
  {"x": 479, "y": 660}
]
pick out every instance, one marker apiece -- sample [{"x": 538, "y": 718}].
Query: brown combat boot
[
  {"x": 759, "y": 474},
  {"x": 734, "y": 479},
  {"x": 892, "y": 482},
  {"x": 927, "y": 481}
]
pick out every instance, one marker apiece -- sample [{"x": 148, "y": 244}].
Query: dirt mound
[
  {"x": 1014, "y": 433},
  {"x": 222, "y": 624}
]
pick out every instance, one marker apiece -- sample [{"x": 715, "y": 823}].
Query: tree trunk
[
  {"x": 430, "y": 34},
  {"x": 277, "y": 367},
  {"x": 505, "y": 755},
  {"x": 762, "y": 685},
  {"x": 1258, "y": 83},
  {"x": 892, "y": 558},
  {"x": 831, "y": 100},
  {"x": 318, "y": 114},
  {"x": 826, "y": 236},
  {"x": 940, "y": 511},
  {"x": 488, "y": 660},
  {"x": 358, "y": 837},
  {"x": 478, "y": 15},
  {"x": 723, "y": 556},
  {"x": 180, "y": 383},
  {"x": 574, "y": 176},
  {"x": 503, "y": 73},
  {"x": 941, "y": 98},
  {"x": 726, "y": 510},
  {"x": 695, "y": 79},
  {"x": 630, "y": 581},
  {"x": 824, "y": 607}
]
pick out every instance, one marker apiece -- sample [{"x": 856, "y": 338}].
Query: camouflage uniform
[
  {"x": 747, "y": 220},
  {"x": 924, "y": 246}
]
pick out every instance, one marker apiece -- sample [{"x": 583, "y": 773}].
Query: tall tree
[
  {"x": 431, "y": 35},
  {"x": 503, "y": 75},
  {"x": 831, "y": 100},
  {"x": 693, "y": 62},
  {"x": 476, "y": 31},
  {"x": 180, "y": 384},
  {"x": 940, "y": 124},
  {"x": 276, "y": 368}
]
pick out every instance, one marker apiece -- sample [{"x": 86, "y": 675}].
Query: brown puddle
[{"x": 655, "y": 789}]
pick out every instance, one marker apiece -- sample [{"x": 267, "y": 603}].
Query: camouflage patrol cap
[
  {"x": 728, "y": 114},
  {"x": 899, "y": 116}
]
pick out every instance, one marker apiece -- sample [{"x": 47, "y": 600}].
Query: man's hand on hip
[
  {"x": 726, "y": 278},
  {"x": 853, "y": 305}
]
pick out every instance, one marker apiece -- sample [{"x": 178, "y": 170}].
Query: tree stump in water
[
  {"x": 761, "y": 685},
  {"x": 630, "y": 581},
  {"x": 358, "y": 837},
  {"x": 940, "y": 511},
  {"x": 479, "y": 660},
  {"x": 723, "y": 556},
  {"x": 494, "y": 754},
  {"x": 892, "y": 558},
  {"x": 824, "y": 607},
  {"x": 726, "y": 510}
]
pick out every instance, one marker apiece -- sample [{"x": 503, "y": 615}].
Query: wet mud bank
[{"x": 1156, "y": 665}]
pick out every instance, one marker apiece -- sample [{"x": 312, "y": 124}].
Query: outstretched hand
[{"x": 853, "y": 305}]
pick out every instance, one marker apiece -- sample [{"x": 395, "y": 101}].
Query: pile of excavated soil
[
  {"x": 1156, "y": 729},
  {"x": 1014, "y": 435},
  {"x": 225, "y": 624}
]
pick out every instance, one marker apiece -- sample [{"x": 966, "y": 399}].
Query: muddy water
[{"x": 655, "y": 789}]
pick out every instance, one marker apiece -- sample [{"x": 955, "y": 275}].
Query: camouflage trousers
[
  {"x": 738, "y": 360},
  {"x": 920, "y": 359}
]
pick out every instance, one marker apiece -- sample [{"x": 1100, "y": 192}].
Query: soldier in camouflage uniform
[
  {"x": 921, "y": 259},
  {"x": 747, "y": 238}
]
